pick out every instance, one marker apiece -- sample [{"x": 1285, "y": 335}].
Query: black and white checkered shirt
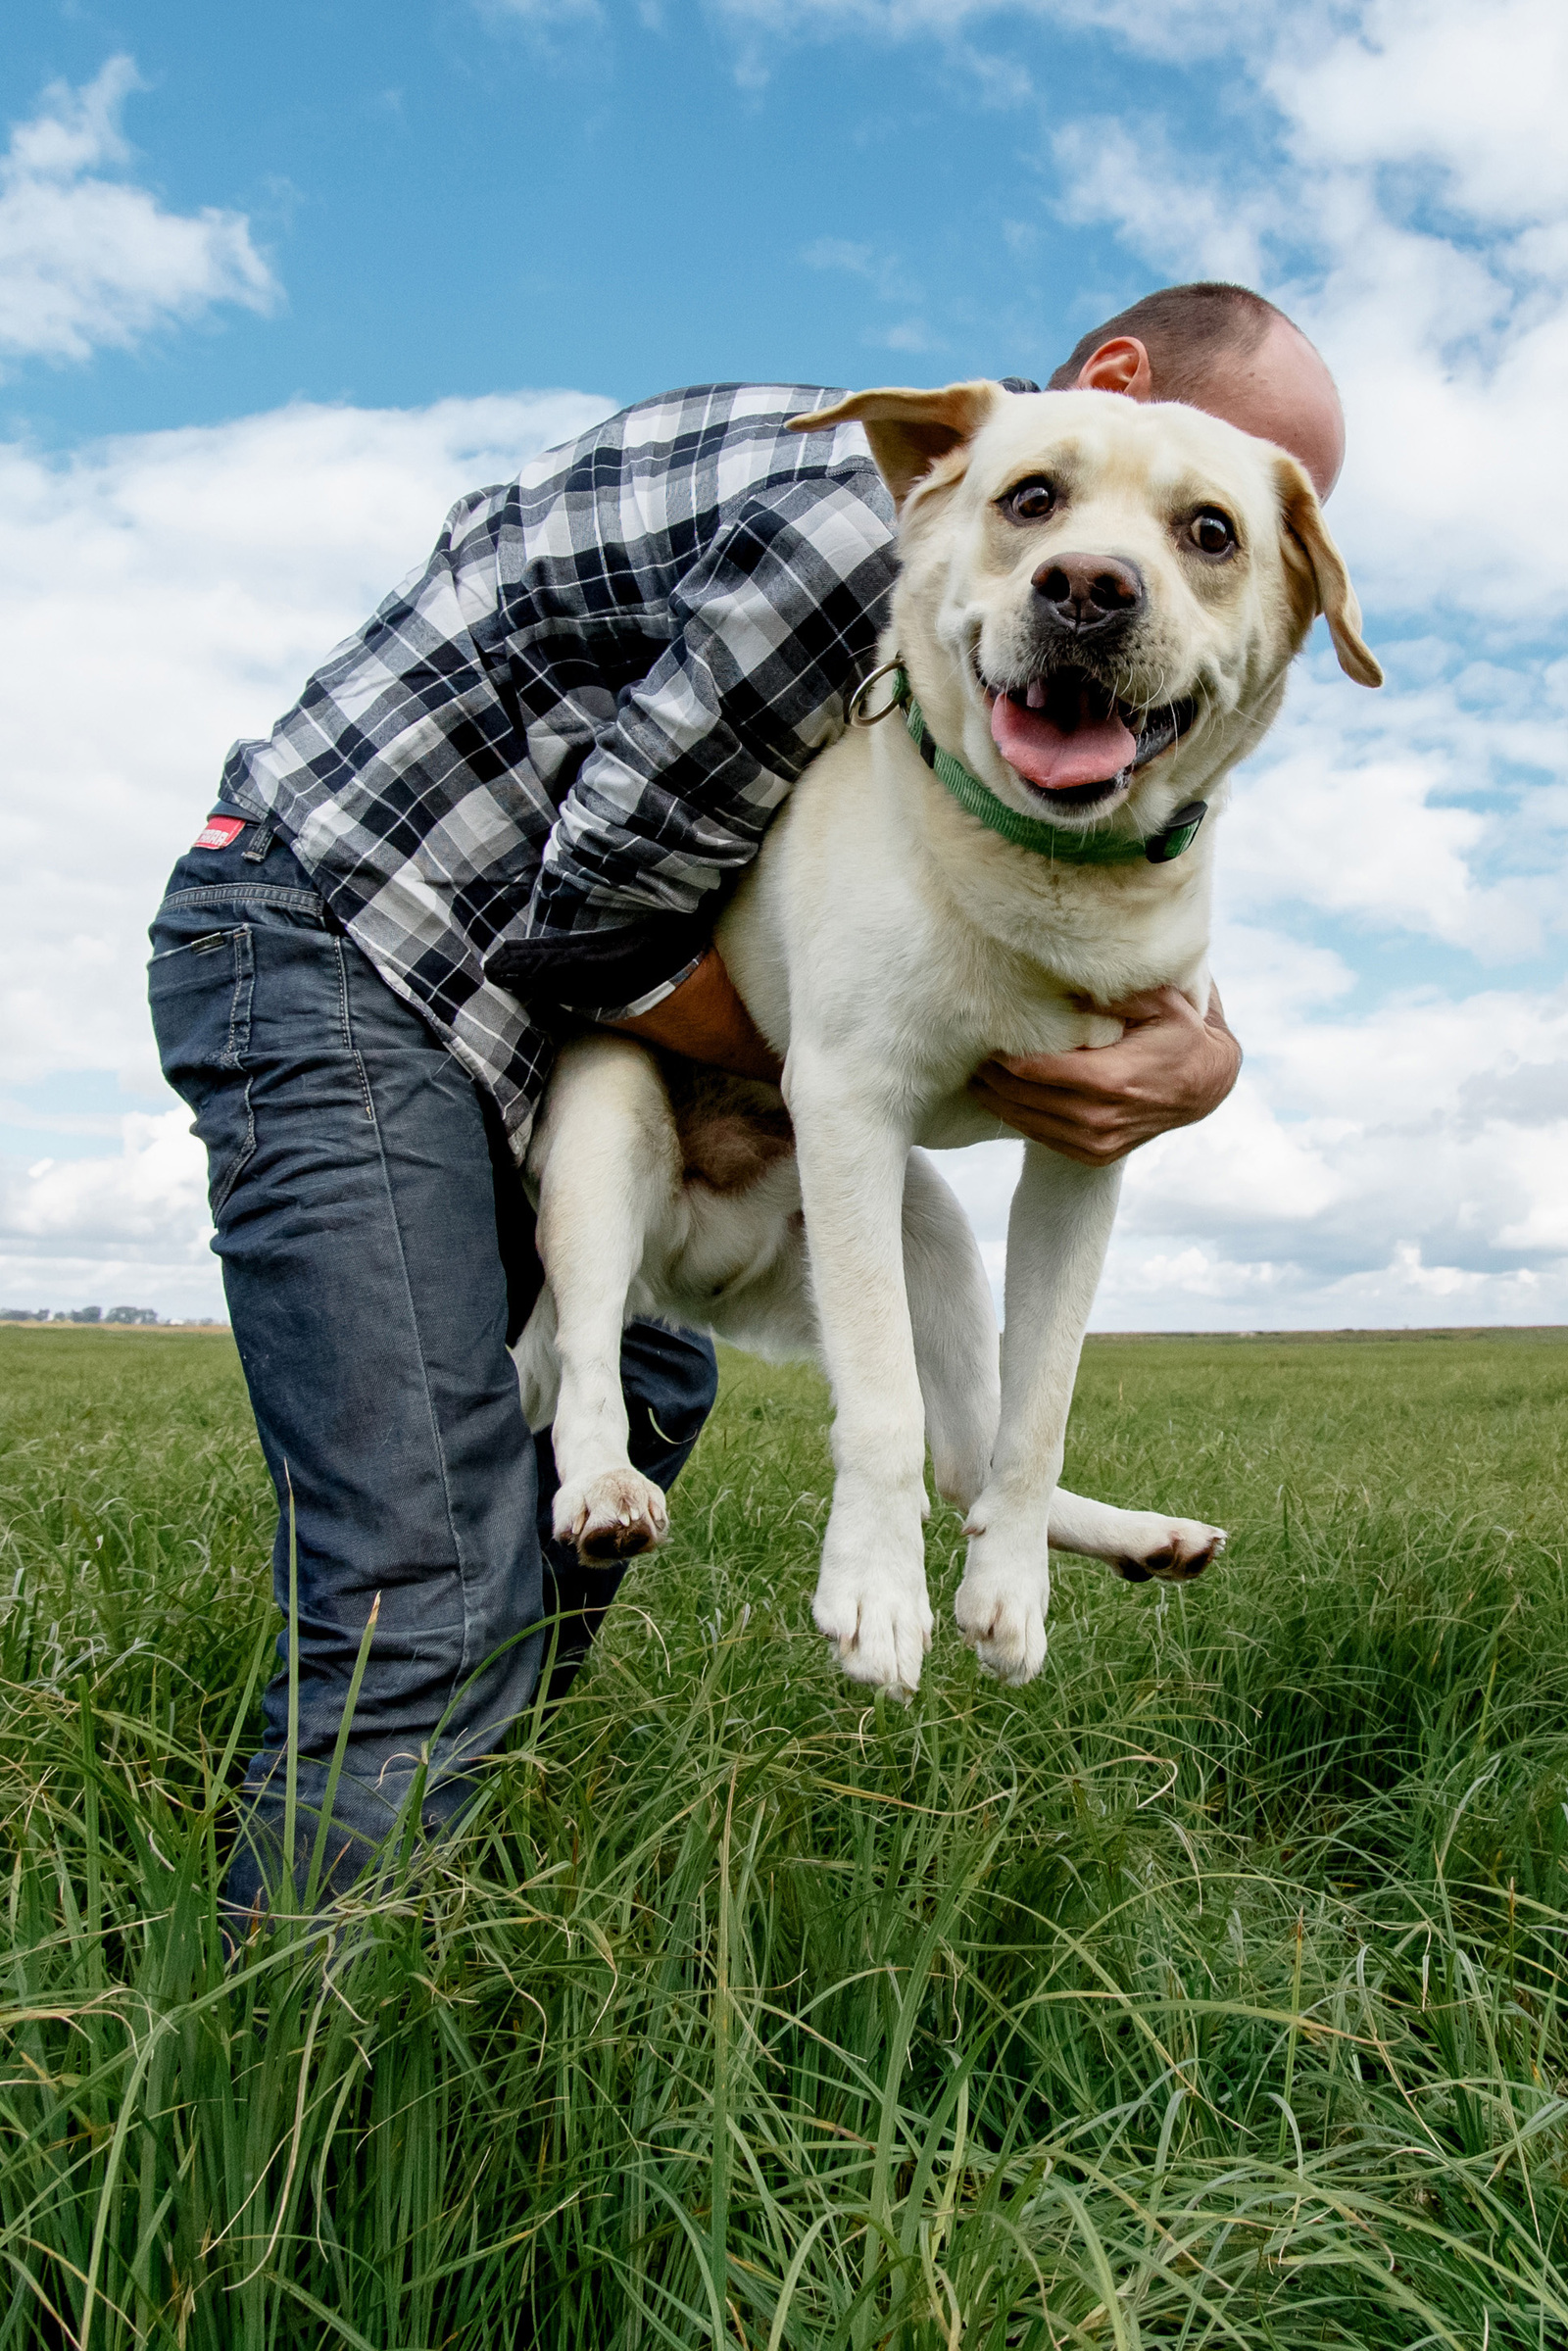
[{"x": 533, "y": 772}]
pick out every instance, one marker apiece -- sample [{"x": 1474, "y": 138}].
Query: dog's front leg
[
  {"x": 853, "y": 1145},
  {"x": 1057, "y": 1239}
]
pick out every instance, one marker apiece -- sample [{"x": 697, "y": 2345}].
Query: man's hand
[
  {"x": 1094, "y": 1104},
  {"x": 706, "y": 1020}
]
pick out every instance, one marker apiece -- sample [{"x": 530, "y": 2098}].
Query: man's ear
[
  {"x": 1308, "y": 544},
  {"x": 908, "y": 432}
]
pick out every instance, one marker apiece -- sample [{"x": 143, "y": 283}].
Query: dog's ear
[
  {"x": 909, "y": 431},
  {"x": 1308, "y": 545}
]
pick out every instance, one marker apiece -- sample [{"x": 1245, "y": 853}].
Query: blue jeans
[{"x": 378, "y": 1254}]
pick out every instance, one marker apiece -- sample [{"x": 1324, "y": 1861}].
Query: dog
[{"x": 1097, "y": 605}]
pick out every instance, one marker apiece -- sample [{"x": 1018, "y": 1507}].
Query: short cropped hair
[{"x": 1185, "y": 330}]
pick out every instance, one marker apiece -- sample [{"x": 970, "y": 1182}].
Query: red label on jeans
[{"x": 218, "y": 832}]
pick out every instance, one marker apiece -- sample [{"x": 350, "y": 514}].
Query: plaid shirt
[{"x": 533, "y": 773}]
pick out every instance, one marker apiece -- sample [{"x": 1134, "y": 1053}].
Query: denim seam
[
  {"x": 240, "y": 1004},
  {"x": 266, "y": 893},
  {"x": 461, "y": 1674},
  {"x": 242, "y": 1159},
  {"x": 348, "y": 1039},
  {"x": 239, "y": 1038}
]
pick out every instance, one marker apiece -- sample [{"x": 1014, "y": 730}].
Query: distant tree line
[{"x": 79, "y": 1315}]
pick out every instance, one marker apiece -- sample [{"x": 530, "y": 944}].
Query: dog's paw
[
  {"x": 880, "y": 1623},
  {"x": 1173, "y": 1549},
  {"x": 1000, "y": 1608},
  {"x": 611, "y": 1516}
]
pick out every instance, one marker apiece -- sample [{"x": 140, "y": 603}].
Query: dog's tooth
[{"x": 1035, "y": 698}]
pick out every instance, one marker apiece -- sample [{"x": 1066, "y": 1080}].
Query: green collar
[{"x": 1031, "y": 832}]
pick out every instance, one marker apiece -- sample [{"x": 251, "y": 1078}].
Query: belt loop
[{"x": 266, "y": 836}]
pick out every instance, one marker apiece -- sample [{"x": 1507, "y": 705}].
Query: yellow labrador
[{"x": 1097, "y": 608}]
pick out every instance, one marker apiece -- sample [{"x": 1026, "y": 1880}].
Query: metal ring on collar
[{"x": 857, "y": 715}]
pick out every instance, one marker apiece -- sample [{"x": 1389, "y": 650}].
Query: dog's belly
[{"x": 733, "y": 1257}]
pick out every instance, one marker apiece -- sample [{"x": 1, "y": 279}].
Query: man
[{"x": 520, "y": 795}]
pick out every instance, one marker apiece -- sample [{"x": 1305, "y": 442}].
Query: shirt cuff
[
  {"x": 643, "y": 1004},
  {"x": 609, "y": 975}
]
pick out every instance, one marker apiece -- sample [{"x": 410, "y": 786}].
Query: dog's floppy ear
[
  {"x": 908, "y": 432},
  {"x": 1307, "y": 543}
]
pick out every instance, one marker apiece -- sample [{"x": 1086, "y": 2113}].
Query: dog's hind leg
[
  {"x": 954, "y": 1328},
  {"x": 1138, "y": 1543},
  {"x": 607, "y": 1169}
]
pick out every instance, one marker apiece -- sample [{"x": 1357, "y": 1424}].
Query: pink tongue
[{"x": 1094, "y": 752}]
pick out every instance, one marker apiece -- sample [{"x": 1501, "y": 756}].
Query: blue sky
[
  {"x": 276, "y": 285},
  {"x": 458, "y": 198}
]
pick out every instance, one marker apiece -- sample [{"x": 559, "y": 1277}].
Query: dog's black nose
[{"x": 1086, "y": 594}]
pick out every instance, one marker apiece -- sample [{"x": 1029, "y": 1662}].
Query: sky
[{"x": 278, "y": 285}]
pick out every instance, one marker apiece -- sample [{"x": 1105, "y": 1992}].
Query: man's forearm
[
  {"x": 1170, "y": 1069},
  {"x": 704, "y": 1019}
]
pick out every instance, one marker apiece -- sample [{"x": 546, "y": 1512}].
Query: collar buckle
[
  {"x": 1178, "y": 836},
  {"x": 857, "y": 714}
]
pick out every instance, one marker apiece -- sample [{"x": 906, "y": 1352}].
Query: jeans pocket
[{"x": 200, "y": 987}]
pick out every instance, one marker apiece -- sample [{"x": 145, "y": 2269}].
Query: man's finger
[
  {"x": 1152, "y": 1004},
  {"x": 1100, "y": 1076},
  {"x": 1084, "y": 1128},
  {"x": 1028, "y": 1093}
]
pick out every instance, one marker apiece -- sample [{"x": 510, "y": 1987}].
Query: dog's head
[{"x": 1098, "y": 600}]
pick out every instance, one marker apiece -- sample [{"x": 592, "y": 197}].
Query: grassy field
[{"x": 1211, "y": 1991}]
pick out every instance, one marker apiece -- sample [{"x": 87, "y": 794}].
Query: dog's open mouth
[{"x": 1067, "y": 734}]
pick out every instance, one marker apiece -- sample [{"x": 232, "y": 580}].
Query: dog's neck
[{"x": 1105, "y": 930}]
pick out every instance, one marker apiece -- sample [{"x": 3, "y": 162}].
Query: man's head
[{"x": 1225, "y": 349}]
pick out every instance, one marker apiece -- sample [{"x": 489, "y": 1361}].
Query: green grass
[{"x": 1209, "y": 1992}]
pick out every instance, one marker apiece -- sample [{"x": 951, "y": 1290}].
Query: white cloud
[
  {"x": 1109, "y": 173},
  {"x": 1402, "y": 186},
  {"x": 1345, "y": 812},
  {"x": 127, "y": 1229},
  {"x": 152, "y": 1193},
  {"x": 1401, "y": 1165},
  {"x": 1477, "y": 94},
  {"x": 161, "y": 596},
  {"x": 1385, "y": 1166},
  {"x": 1414, "y": 217},
  {"x": 1408, "y": 1152},
  {"x": 87, "y": 260}
]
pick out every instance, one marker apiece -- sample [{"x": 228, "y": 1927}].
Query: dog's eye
[
  {"x": 1211, "y": 532},
  {"x": 1029, "y": 501}
]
